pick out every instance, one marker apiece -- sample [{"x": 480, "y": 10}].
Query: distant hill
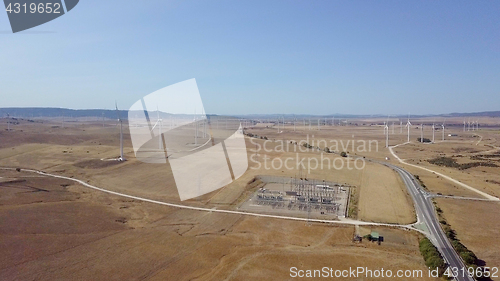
[
  {"x": 475, "y": 114},
  {"x": 37, "y": 112}
]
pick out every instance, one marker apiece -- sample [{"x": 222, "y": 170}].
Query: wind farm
[
  {"x": 374, "y": 197},
  {"x": 238, "y": 140}
]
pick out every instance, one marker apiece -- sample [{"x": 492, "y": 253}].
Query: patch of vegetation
[
  {"x": 444, "y": 161},
  {"x": 343, "y": 154},
  {"x": 255, "y": 136},
  {"x": 420, "y": 181},
  {"x": 477, "y": 164},
  {"x": 424, "y": 140},
  {"x": 465, "y": 149},
  {"x": 352, "y": 212},
  {"x": 495, "y": 157},
  {"x": 493, "y": 181},
  {"x": 467, "y": 255},
  {"x": 452, "y": 163},
  {"x": 432, "y": 257}
]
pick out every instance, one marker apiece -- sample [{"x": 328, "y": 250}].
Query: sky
[{"x": 261, "y": 57}]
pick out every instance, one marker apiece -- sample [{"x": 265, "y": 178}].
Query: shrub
[{"x": 431, "y": 255}]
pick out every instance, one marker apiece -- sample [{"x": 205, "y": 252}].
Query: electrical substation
[{"x": 302, "y": 197}]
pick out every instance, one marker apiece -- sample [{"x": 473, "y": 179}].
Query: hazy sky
[{"x": 316, "y": 57}]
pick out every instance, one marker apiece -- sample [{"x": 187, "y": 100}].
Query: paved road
[{"x": 425, "y": 214}]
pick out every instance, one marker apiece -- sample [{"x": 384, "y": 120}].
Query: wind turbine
[
  {"x": 422, "y": 133},
  {"x": 196, "y": 128},
  {"x": 468, "y": 125},
  {"x": 205, "y": 121},
  {"x": 386, "y": 132},
  {"x": 8, "y": 122},
  {"x": 393, "y": 128},
  {"x": 433, "y": 131},
  {"x": 400, "y": 126},
  {"x": 477, "y": 125},
  {"x": 121, "y": 133},
  {"x": 158, "y": 122},
  {"x": 464, "y": 124},
  {"x": 408, "y": 125},
  {"x": 442, "y": 126}
]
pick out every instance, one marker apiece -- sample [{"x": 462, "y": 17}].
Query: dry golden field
[
  {"x": 383, "y": 196},
  {"x": 57, "y": 230},
  {"x": 476, "y": 225}
]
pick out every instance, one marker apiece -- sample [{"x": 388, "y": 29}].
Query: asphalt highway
[{"x": 425, "y": 214}]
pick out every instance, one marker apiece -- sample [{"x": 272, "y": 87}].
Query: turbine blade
[
  {"x": 118, "y": 112},
  {"x": 155, "y": 125}
]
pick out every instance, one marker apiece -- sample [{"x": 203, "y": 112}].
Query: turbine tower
[
  {"x": 433, "y": 131},
  {"x": 408, "y": 125},
  {"x": 442, "y": 126},
  {"x": 158, "y": 123},
  {"x": 196, "y": 128},
  {"x": 464, "y": 124},
  {"x": 386, "y": 132},
  {"x": 422, "y": 133},
  {"x": 121, "y": 133},
  {"x": 8, "y": 122}
]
